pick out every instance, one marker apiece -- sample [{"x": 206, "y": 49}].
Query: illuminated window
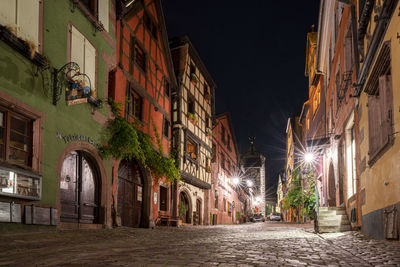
[{"x": 191, "y": 149}]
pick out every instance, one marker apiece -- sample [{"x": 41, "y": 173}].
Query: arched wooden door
[
  {"x": 130, "y": 194},
  {"x": 79, "y": 189}
]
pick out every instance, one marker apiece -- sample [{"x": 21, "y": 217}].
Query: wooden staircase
[{"x": 332, "y": 220}]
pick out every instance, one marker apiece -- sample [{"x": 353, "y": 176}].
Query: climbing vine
[{"x": 124, "y": 141}]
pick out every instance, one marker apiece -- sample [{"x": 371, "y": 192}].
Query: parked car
[
  {"x": 275, "y": 216},
  {"x": 257, "y": 218}
]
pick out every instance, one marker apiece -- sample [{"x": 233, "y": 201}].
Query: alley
[{"x": 260, "y": 244}]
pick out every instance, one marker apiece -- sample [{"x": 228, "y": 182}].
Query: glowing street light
[
  {"x": 249, "y": 183},
  {"x": 235, "y": 180},
  {"x": 309, "y": 157}
]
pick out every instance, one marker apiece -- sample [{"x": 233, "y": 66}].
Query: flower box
[
  {"x": 192, "y": 118},
  {"x": 193, "y": 79}
]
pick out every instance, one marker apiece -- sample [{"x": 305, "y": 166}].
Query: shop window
[
  {"x": 163, "y": 198},
  {"x": 135, "y": 104},
  {"x": 24, "y": 16},
  {"x": 84, "y": 53},
  {"x": 191, "y": 149},
  {"x": 15, "y": 138},
  {"x": 166, "y": 128},
  {"x": 150, "y": 25}
]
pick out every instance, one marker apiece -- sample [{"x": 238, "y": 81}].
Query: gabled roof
[
  {"x": 181, "y": 41},
  {"x": 126, "y": 9},
  {"x": 227, "y": 115}
]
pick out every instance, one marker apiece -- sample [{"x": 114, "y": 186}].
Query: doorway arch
[
  {"x": 131, "y": 194},
  {"x": 185, "y": 207},
  {"x": 331, "y": 187}
]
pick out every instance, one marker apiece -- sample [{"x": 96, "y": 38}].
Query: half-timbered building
[
  {"x": 226, "y": 206},
  {"x": 192, "y": 112},
  {"x": 142, "y": 82}
]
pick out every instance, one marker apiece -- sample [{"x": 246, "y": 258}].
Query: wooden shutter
[
  {"x": 90, "y": 65},
  {"x": 28, "y": 20},
  {"x": 385, "y": 89},
  {"x": 8, "y": 12},
  {"x": 103, "y": 13},
  {"x": 374, "y": 124},
  {"x": 77, "y": 48}
]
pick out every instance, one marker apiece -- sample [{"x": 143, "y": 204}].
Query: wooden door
[
  {"x": 130, "y": 194},
  {"x": 198, "y": 208},
  {"x": 78, "y": 190}
]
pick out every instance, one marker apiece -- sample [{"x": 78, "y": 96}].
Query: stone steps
[{"x": 333, "y": 219}]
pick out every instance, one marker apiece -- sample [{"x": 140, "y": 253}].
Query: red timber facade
[
  {"x": 142, "y": 82},
  {"x": 224, "y": 201}
]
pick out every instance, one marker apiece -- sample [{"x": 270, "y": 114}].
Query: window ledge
[
  {"x": 22, "y": 47},
  {"x": 96, "y": 23}
]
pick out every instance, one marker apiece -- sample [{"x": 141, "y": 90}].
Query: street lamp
[
  {"x": 235, "y": 180},
  {"x": 249, "y": 183},
  {"x": 309, "y": 157}
]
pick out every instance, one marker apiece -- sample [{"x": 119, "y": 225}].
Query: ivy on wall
[{"x": 124, "y": 141}]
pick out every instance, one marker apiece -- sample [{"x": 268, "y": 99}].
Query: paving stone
[{"x": 261, "y": 244}]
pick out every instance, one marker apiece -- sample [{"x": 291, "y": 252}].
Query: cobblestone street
[{"x": 260, "y": 244}]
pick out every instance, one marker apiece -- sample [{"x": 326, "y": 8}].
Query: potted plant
[
  {"x": 192, "y": 118},
  {"x": 194, "y": 79}
]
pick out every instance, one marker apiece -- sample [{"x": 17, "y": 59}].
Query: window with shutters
[
  {"x": 214, "y": 153},
  {"x": 97, "y": 11},
  {"x": 135, "y": 104},
  {"x": 380, "y": 118},
  {"x": 15, "y": 138},
  {"x": 84, "y": 53},
  {"x": 23, "y": 16},
  {"x": 166, "y": 128},
  {"x": 137, "y": 55}
]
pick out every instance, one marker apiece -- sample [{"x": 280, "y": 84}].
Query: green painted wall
[{"x": 21, "y": 79}]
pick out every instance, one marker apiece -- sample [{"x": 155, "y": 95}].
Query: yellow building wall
[{"x": 381, "y": 181}]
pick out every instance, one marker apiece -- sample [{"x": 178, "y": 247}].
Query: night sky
[{"x": 255, "y": 52}]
